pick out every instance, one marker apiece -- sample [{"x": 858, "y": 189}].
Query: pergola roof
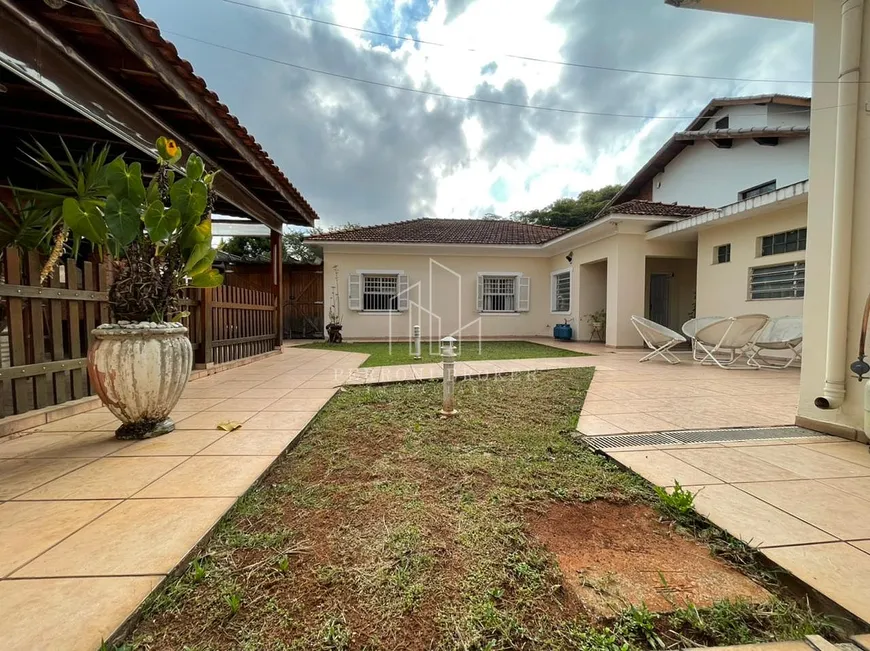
[{"x": 105, "y": 74}]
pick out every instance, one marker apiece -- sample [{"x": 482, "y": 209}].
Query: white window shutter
[
  {"x": 480, "y": 293},
  {"x": 354, "y": 292},
  {"x": 523, "y": 294},
  {"x": 402, "y": 287}
]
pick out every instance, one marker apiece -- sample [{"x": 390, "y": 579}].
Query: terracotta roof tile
[
  {"x": 447, "y": 231},
  {"x": 642, "y": 207},
  {"x": 129, "y": 10}
]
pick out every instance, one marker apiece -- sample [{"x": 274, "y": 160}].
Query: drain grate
[{"x": 684, "y": 437}]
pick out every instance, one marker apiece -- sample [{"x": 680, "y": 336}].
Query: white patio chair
[
  {"x": 783, "y": 334},
  {"x": 733, "y": 335},
  {"x": 692, "y": 326},
  {"x": 659, "y": 338}
]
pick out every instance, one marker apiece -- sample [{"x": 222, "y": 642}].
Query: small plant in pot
[{"x": 159, "y": 240}]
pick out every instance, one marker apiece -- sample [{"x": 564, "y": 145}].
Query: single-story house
[{"x": 713, "y": 224}]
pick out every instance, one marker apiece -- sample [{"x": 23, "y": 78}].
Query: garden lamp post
[
  {"x": 417, "y": 352},
  {"x": 448, "y": 357}
]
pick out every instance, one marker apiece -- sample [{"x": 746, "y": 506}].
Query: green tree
[
  {"x": 568, "y": 212},
  {"x": 259, "y": 249}
]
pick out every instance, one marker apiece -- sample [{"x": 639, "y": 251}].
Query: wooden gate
[{"x": 303, "y": 301}]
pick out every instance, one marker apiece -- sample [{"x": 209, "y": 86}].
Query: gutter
[{"x": 851, "y": 28}]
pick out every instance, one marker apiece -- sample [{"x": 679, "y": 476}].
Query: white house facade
[{"x": 714, "y": 224}]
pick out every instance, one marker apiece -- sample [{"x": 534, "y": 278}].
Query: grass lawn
[
  {"x": 388, "y": 527},
  {"x": 381, "y": 355}
]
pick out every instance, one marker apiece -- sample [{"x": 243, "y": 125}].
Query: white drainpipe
[{"x": 851, "y": 28}]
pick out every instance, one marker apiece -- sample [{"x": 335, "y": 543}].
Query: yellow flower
[{"x": 171, "y": 148}]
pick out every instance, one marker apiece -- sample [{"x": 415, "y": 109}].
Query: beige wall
[
  {"x": 453, "y": 299},
  {"x": 723, "y": 289},
  {"x": 826, "y": 42}
]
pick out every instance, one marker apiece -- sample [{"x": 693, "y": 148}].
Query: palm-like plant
[{"x": 159, "y": 237}]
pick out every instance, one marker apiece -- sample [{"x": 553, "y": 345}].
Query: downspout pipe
[{"x": 851, "y": 30}]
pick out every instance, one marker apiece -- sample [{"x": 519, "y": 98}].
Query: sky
[{"x": 363, "y": 153}]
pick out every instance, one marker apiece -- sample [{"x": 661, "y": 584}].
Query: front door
[{"x": 660, "y": 299}]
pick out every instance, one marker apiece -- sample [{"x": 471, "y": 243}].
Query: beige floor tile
[
  {"x": 733, "y": 465},
  {"x": 662, "y": 469},
  {"x": 846, "y": 450},
  {"x": 837, "y": 570},
  {"x": 639, "y": 422},
  {"x": 242, "y": 404},
  {"x": 212, "y": 476},
  {"x": 180, "y": 443},
  {"x": 752, "y": 520},
  {"x": 863, "y": 545},
  {"x": 21, "y": 475},
  {"x": 29, "y": 443},
  {"x": 79, "y": 423},
  {"x": 197, "y": 404},
  {"x": 208, "y": 420},
  {"x": 252, "y": 442},
  {"x": 87, "y": 445},
  {"x": 27, "y": 529},
  {"x": 283, "y": 420},
  {"x": 68, "y": 614},
  {"x": 136, "y": 537},
  {"x": 859, "y": 486},
  {"x": 838, "y": 513},
  {"x": 806, "y": 462},
  {"x": 311, "y": 393},
  {"x": 593, "y": 425},
  {"x": 110, "y": 478},
  {"x": 264, "y": 392},
  {"x": 297, "y": 404}
]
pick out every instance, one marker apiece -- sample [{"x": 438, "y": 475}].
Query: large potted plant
[{"x": 158, "y": 239}]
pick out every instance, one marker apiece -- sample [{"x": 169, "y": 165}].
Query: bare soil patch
[{"x": 618, "y": 555}]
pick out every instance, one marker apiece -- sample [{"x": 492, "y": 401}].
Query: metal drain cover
[{"x": 685, "y": 437}]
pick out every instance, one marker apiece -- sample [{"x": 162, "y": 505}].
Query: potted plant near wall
[
  {"x": 597, "y": 322},
  {"x": 158, "y": 238}
]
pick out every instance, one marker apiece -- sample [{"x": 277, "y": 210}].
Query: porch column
[
  {"x": 278, "y": 285},
  {"x": 626, "y": 289}
]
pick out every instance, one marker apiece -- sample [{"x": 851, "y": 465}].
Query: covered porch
[{"x": 101, "y": 74}]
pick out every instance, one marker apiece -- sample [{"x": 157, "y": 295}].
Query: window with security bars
[
  {"x": 562, "y": 291},
  {"x": 784, "y": 242},
  {"x": 723, "y": 253},
  {"x": 779, "y": 281},
  {"x": 499, "y": 294},
  {"x": 380, "y": 293}
]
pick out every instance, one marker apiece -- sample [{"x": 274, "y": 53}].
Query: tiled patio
[
  {"x": 805, "y": 503},
  {"x": 90, "y": 525},
  {"x": 73, "y": 568},
  {"x": 629, "y": 397}
]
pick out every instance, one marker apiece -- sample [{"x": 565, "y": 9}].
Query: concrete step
[{"x": 809, "y": 643}]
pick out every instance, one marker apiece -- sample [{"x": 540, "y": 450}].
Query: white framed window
[
  {"x": 722, "y": 254},
  {"x": 560, "y": 291},
  {"x": 757, "y": 190},
  {"x": 784, "y": 242},
  {"x": 777, "y": 281},
  {"x": 502, "y": 293},
  {"x": 377, "y": 291}
]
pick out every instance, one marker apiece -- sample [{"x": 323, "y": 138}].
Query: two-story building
[{"x": 713, "y": 224}]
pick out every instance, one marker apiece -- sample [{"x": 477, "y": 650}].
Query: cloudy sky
[{"x": 367, "y": 154}]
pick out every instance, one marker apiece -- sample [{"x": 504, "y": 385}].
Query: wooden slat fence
[{"x": 45, "y": 331}]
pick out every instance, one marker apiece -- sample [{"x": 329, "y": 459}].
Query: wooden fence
[{"x": 45, "y": 330}]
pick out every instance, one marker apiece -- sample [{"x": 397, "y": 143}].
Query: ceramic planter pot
[{"x": 139, "y": 371}]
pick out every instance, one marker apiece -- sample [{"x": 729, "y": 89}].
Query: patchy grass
[
  {"x": 382, "y": 354},
  {"x": 388, "y": 527}
]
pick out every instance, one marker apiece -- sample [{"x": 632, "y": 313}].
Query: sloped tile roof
[
  {"x": 447, "y": 231},
  {"x": 655, "y": 208}
]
